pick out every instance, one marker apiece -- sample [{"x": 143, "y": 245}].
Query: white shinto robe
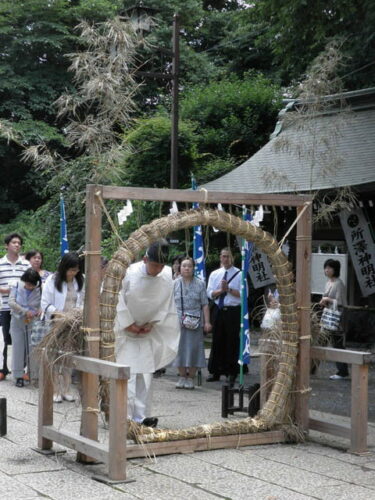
[{"x": 146, "y": 299}]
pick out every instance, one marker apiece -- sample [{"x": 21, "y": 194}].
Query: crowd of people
[
  {"x": 30, "y": 295},
  {"x": 161, "y": 318}
]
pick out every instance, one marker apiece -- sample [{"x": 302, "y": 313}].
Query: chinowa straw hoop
[{"x": 275, "y": 411}]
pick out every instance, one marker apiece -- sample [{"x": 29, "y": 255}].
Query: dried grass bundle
[{"x": 65, "y": 337}]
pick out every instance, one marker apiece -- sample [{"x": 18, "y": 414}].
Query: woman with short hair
[
  {"x": 24, "y": 302},
  {"x": 191, "y": 299},
  {"x": 334, "y": 298},
  {"x": 36, "y": 258}
]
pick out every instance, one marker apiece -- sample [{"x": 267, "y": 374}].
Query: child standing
[
  {"x": 272, "y": 317},
  {"x": 270, "y": 341},
  {"x": 24, "y": 303}
]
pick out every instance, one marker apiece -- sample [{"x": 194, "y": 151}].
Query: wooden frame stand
[
  {"x": 357, "y": 432},
  {"x": 116, "y": 452},
  {"x": 113, "y": 454},
  {"x": 97, "y": 194}
]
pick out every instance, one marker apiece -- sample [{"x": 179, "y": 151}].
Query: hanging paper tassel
[
  {"x": 125, "y": 212},
  {"x": 219, "y": 207},
  {"x": 258, "y": 217},
  {"x": 174, "y": 208}
]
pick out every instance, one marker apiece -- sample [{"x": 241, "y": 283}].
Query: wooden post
[
  {"x": 117, "y": 427},
  {"x": 175, "y": 77},
  {"x": 91, "y": 318},
  {"x": 359, "y": 409},
  {"x": 45, "y": 414},
  {"x": 303, "y": 289}
]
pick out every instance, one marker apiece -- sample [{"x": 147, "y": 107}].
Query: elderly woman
[
  {"x": 35, "y": 257},
  {"x": 192, "y": 307},
  {"x": 334, "y": 297}
]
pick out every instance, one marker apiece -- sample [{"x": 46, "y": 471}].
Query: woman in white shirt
[{"x": 62, "y": 292}]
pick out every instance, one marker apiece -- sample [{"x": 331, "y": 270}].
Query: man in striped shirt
[{"x": 12, "y": 267}]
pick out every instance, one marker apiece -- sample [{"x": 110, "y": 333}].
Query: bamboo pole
[{"x": 303, "y": 279}]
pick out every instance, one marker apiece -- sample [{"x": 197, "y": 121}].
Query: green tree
[
  {"x": 234, "y": 117},
  {"x": 296, "y": 31},
  {"x": 35, "y": 35},
  {"x": 148, "y": 161}
]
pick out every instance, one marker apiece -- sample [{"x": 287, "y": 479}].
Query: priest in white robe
[{"x": 146, "y": 327}]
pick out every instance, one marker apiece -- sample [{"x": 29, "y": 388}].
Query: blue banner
[
  {"x": 64, "y": 245},
  {"x": 198, "y": 248},
  {"x": 247, "y": 250}
]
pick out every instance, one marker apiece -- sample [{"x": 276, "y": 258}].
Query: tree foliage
[
  {"x": 234, "y": 117},
  {"x": 234, "y": 56},
  {"x": 148, "y": 161},
  {"x": 296, "y": 31}
]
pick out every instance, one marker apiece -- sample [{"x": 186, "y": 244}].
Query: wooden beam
[
  {"x": 303, "y": 289},
  {"x": 117, "y": 429},
  {"x": 45, "y": 407},
  {"x": 78, "y": 443},
  {"x": 204, "y": 444},
  {"x": 341, "y": 355},
  {"x": 359, "y": 409},
  {"x": 329, "y": 428},
  {"x": 91, "y": 320},
  {"x": 106, "y": 369},
  {"x": 182, "y": 195}
]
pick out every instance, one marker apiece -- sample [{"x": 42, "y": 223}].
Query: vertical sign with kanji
[
  {"x": 260, "y": 270},
  {"x": 361, "y": 248}
]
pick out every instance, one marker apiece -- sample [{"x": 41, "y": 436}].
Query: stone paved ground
[{"x": 318, "y": 469}]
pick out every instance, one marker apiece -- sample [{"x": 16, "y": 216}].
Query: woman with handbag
[
  {"x": 333, "y": 301},
  {"x": 192, "y": 308},
  {"x": 62, "y": 292}
]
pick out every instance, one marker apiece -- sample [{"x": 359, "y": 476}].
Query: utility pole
[
  {"x": 140, "y": 15},
  {"x": 174, "y": 110}
]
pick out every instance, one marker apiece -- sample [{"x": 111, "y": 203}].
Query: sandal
[{"x": 19, "y": 382}]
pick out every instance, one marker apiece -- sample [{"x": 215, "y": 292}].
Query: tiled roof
[{"x": 332, "y": 149}]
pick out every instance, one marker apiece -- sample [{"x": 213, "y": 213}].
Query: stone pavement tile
[
  {"x": 11, "y": 488},
  {"x": 235, "y": 468},
  {"x": 369, "y": 465},
  {"x": 238, "y": 488},
  {"x": 15, "y": 459},
  {"x": 301, "y": 458},
  {"x": 23, "y": 433},
  {"x": 161, "y": 487},
  {"x": 242, "y": 464},
  {"x": 66, "y": 484},
  {"x": 342, "y": 492}
]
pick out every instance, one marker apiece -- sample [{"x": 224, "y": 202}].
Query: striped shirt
[{"x": 10, "y": 273}]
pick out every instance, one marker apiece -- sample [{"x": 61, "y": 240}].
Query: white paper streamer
[
  {"x": 174, "y": 208},
  {"x": 219, "y": 207},
  {"x": 125, "y": 212}
]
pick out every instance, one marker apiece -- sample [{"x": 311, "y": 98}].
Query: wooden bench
[{"x": 357, "y": 431}]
